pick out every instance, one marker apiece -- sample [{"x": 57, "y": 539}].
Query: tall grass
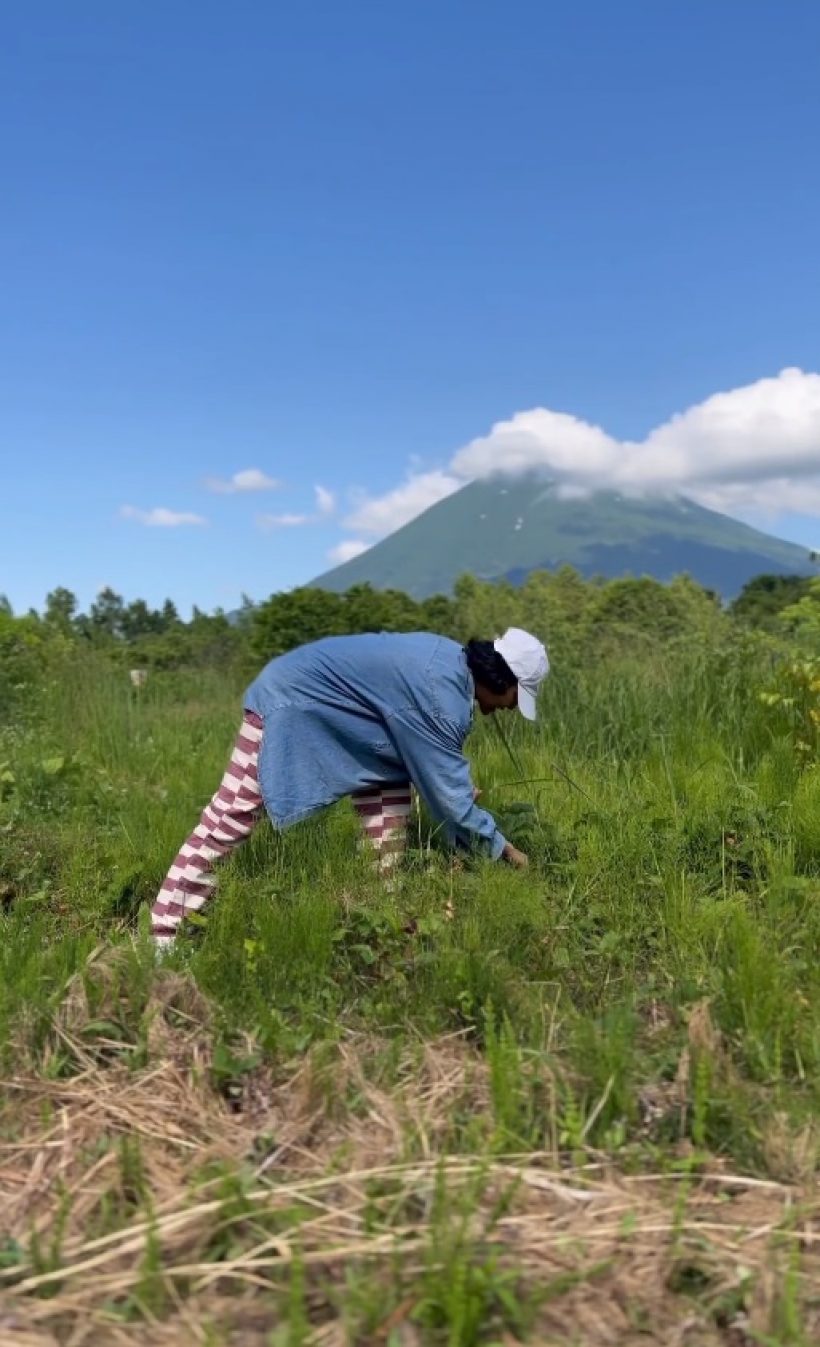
[
  {"x": 675, "y": 846},
  {"x": 648, "y": 990}
]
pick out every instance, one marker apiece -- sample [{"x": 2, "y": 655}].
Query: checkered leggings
[{"x": 232, "y": 815}]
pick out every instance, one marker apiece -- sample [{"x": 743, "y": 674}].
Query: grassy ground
[{"x": 573, "y": 1106}]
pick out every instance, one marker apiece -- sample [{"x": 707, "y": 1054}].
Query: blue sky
[{"x": 334, "y": 244}]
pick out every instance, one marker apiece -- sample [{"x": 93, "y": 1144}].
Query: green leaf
[
  {"x": 104, "y": 1029},
  {"x": 11, "y": 1253},
  {"x": 53, "y": 766}
]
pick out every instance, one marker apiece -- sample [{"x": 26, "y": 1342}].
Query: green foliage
[
  {"x": 466, "y": 1297},
  {"x": 803, "y": 617},
  {"x": 580, "y": 620},
  {"x": 643, "y": 605},
  {"x": 28, "y": 650},
  {"x": 793, "y": 702},
  {"x": 61, "y": 606},
  {"x": 762, "y": 601},
  {"x": 291, "y": 619}
]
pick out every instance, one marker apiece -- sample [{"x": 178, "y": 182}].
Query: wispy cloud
[
  {"x": 764, "y": 501},
  {"x": 159, "y": 517},
  {"x": 249, "y": 479},
  {"x": 325, "y": 501},
  {"x": 325, "y": 507},
  {"x": 283, "y": 521},
  {"x": 379, "y": 515},
  {"x": 347, "y": 550}
]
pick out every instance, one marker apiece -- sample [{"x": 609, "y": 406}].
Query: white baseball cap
[{"x": 528, "y": 660}]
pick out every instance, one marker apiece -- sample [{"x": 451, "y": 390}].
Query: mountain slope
[{"x": 506, "y": 527}]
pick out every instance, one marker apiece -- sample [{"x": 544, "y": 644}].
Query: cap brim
[{"x": 526, "y": 702}]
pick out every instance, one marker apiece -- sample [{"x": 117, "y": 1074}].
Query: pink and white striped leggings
[{"x": 232, "y": 815}]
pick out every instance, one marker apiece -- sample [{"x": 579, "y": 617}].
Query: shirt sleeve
[{"x": 432, "y": 752}]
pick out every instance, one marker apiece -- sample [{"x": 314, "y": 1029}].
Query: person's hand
[
  {"x": 476, "y": 794},
  {"x": 515, "y": 857}
]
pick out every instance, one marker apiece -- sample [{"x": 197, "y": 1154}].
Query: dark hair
[{"x": 489, "y": 668}]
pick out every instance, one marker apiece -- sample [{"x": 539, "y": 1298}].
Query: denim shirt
[{"x": 349, "y": 713}]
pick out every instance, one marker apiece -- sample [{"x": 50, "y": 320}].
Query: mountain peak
[{"x": 504, "y": 527}]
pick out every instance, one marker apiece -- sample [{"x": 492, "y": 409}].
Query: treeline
[{"x": 576, "y": 617}]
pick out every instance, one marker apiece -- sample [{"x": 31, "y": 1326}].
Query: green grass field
[{"x": 573, "y": 1106}]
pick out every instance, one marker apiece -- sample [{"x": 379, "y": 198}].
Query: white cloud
[
  {"x": 325, "y": 507},
  {"x": 379, "y": 515},
  {"x": 159, "y": 517},
  {"x": 764, "y": 430},
  {"x": 764, "y": 499},
  {"x": 283, "y": 521},
  {"x": 753, "y": 451},
  {"x": 767, "y": 432},
  {"x": 540, "y": 439},
  {"x": 347, "y": 550},
  {"x": 325, "y": 501},
  {"x": 249, "y": 479}
]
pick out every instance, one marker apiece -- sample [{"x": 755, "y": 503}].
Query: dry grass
[{"x": 335, "y": 1173}]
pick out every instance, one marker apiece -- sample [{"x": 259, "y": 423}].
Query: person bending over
[{"x": 368, "y": 717}]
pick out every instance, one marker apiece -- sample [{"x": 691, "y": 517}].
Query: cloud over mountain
[{"x": 751, "y": 450}]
